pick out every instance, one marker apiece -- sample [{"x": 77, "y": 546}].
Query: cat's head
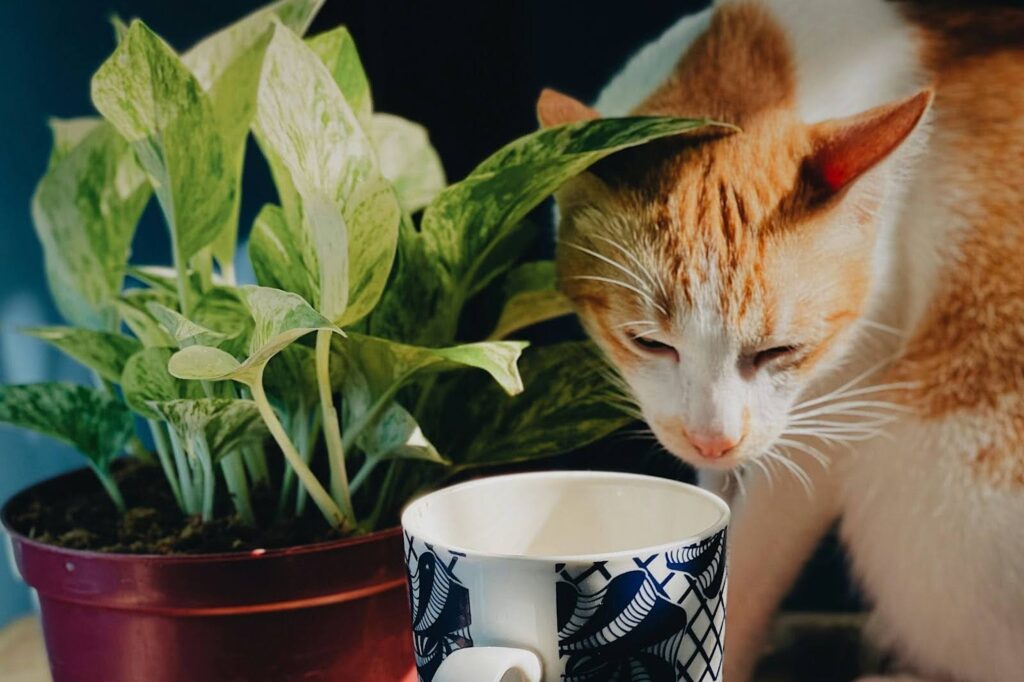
[{"x": 723, "y": 273}]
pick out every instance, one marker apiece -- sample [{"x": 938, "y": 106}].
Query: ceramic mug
[{"x": 567, "y": 576}]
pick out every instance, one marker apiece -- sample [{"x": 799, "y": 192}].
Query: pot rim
[{"x": 216, "y": 557}]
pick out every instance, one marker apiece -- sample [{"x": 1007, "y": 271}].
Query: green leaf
[
  {"x": 205, "y": 363},
  {"x": 223, "y": 424},
  {"x": 135, "y": 315},
  {"x": 211, "y": 58},
  {"x": 387, "y": 364},
  {"x": 408, "y": 160},
  {"x": 184, "y": 331},
  {"x": 568, "y": 402},
  {"x": 276, "y": 253},
  {"x": 337, "y": 50},
  {"x": 222, "y": 308},
  {"x": 279, "y": 318},
  {"x": 103, "y": 352},
  {"x": 394, "y": 434},
  {"x": 153, "y": 100},
  {"x": 375, "y": 369},
  {"x": 68, "y": 133},
  {"x": 85, "y": 210},
  {"x": 530, "y": 297},
  {"x": 328, "y": 179},
  {"x": 290, "y": 378},
  {"x": 89, "y": 420},
  {"x": 146, "y": 379},
  {"x": 467, "y": 229}
]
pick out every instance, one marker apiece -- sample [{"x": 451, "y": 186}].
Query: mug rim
[{"x": 716, "y": 501}]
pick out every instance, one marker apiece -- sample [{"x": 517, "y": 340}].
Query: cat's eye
[
  {"x": 655, "y": 347},
  {"x": 769, "y": 355}
]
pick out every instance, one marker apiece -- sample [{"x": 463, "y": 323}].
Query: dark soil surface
[{"x": 85, "y": 519}]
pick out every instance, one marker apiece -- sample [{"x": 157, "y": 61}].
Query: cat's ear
[
  {"x": 555, "y": 109},
  {"x": 845, "y": 149}
]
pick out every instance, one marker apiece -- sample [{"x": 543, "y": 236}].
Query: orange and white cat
[{"x": 831, "y": 298}]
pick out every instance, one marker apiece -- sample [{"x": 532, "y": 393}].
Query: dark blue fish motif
[
  {"x": 704, "y": 562},
  {"x": 440, "y": 612},
  {"x": 626, "y": 632}
]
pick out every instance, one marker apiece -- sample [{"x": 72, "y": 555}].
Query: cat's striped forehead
[{"x": 695, "y": 231}]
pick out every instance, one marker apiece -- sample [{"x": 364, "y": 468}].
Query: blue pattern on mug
[
  {"x": 441, "y": 615},
  {"x": 658, "y": 618}
]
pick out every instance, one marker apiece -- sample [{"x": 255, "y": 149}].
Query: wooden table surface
[{"x": 22, "y": 656}]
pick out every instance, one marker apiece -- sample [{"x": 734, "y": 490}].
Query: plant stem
[
  {"x": 327, "y": 506},
  {"x": 307, "y": 456},
  {"x": 297, "y": 427},
  {"x": 256, "y": 465},
  {"x": 162, "y": 450},
  {"x": 110, "y": 485},
  {"x": 238, "y": 487},
  {"x": 181, "y": 269},
  {"x": 188, "y": 493},
  {"x": 209, "y": 481},
  {"x": 331, "y": 425},
  {"x": 364, "y": 472},
  {"x": 385, "y": 492}
]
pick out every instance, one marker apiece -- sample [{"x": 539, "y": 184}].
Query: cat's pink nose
[{"x": 712, "y": 445}]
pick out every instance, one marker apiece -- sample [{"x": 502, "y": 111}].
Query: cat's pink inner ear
[
  {"x": 555, "y": 109},
  {"x": 847, "y": 148}
]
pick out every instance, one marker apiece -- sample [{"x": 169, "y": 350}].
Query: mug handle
[{"x": 489, "y": 664}]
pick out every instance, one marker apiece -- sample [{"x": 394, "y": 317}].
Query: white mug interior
[{"x": 568, "y": 516}]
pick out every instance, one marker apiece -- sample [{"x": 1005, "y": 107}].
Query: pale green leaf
[
  {"x": 468, "y": 231},
  {"x": 222, "y": 424},
  {"x": 408, "y": 160},
  {"x": 85, "y": 210},
  {"x": 103, "y": 352},
  {"x": 328, "y": 179},
  {"x": 530, "y": 297},
  {"x": 276, "y": 253},
  {"x": 279, "y": 318},
  {"x": 89, "y": 420},
  {"x": 184, "y": 331},
  {"x": 146, "y": 379},
  {"x": 221, "y": 308},
  {"x": 68, "y": 133},
  {"x": 153, "y": 100},
  {"x": 337, "y": 50},
  {"x": 204, "y": 363},
  {"x": 132, "y": 308}
]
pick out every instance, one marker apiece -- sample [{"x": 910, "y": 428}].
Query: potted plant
[{"x": 292, "y": 418}]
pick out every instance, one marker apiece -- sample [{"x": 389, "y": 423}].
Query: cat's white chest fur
[{"x": 940, "y": 554}]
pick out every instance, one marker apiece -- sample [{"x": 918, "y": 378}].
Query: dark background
[{"x": 469, "y": 71}]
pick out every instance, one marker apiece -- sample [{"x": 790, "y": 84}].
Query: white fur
[{"x": 941, "y": 555}]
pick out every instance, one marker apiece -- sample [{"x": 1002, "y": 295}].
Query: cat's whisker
[
  {"x": 645, "y": 334},
  {"x": 867, "y": 390},
  {"x": 610, "y": 280},
  {"x": 634, "y": 323},
  {"x": 652, "y": 281},
  {"x": 840, "y": 390},
  {"x": 808, "y": 450},
  {"x": 605, "y": 259},
  {"x": 888, "y": 329},
  {"x": 767, "y": 474},
  {"x": 738, "y": 475},
  {"x": 795, "y": 469},
  {"x": 841, "y": 408}
]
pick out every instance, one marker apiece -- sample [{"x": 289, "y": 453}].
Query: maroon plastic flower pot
[{"x": 329, "y": 611}]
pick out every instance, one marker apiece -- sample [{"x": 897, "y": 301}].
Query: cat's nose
[{"x": 712, "y": 445}]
